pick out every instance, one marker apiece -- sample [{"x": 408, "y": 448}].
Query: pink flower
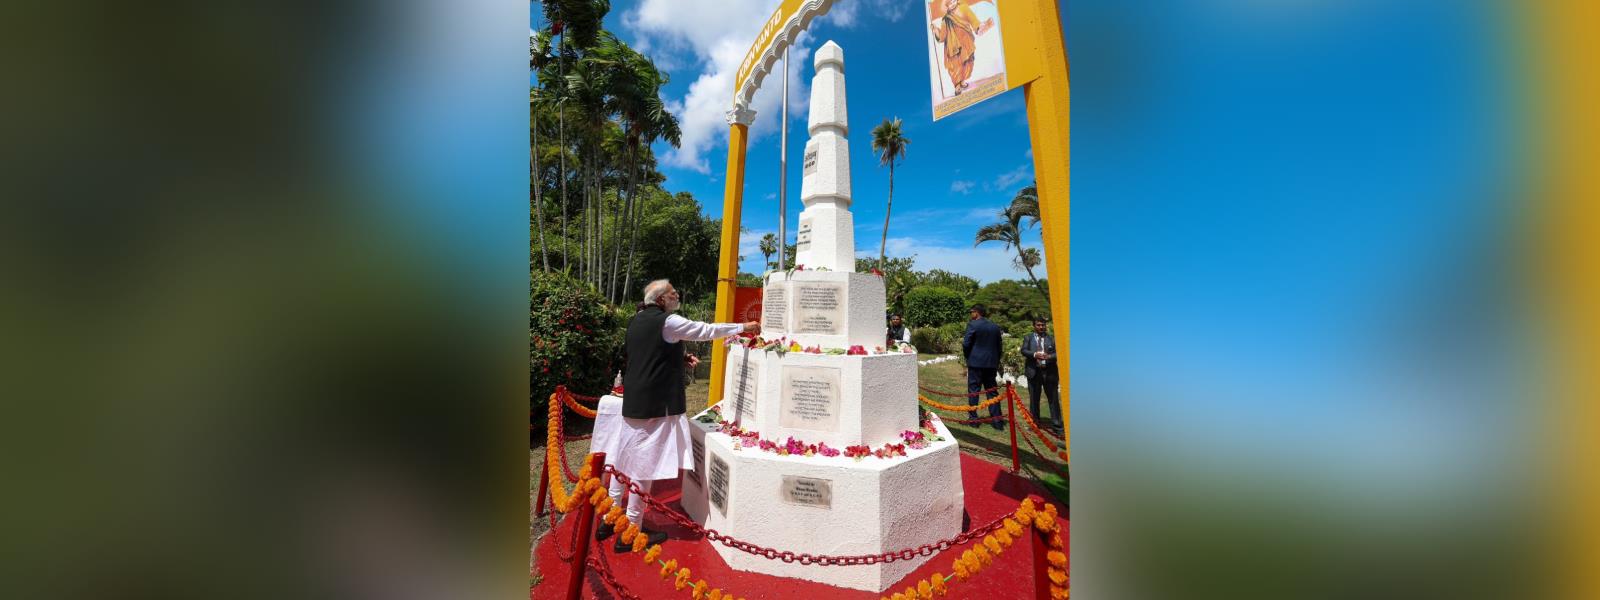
[
  {"x": 823, "y": 449},
  {"x": 794, "y": 446},
  {"x": 857, "y": 350}
]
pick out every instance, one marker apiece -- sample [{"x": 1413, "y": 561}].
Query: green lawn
[{"x": 987, "y": 442}]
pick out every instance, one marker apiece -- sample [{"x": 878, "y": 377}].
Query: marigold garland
[
  {"x": 566, "y": 398},
  {"x": 953, "y": 408}
]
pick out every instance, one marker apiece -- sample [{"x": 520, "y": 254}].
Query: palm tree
[
  {"x": 889, "y": 143},
  {"x": 1025, "y": 204},
  {"x": 769, "y": 247},
  {"x": 580, "y": 19}
]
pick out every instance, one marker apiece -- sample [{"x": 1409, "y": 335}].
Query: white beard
[{"x": 671, "y": 306}]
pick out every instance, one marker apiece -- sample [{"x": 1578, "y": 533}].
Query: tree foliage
[
  {"x": 1013, "y": 305},
  {"x": 573, "y": 338},
  {"x": 932, "y": 306}
]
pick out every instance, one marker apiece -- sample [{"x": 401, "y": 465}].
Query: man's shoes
[
  {"x": 604, "y": 531},
  {"x": 652, "y": 538}
]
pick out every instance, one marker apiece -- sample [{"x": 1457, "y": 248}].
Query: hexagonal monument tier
[
  {"x": 825, "y": 505},
  {"x": 838, "y": 399}
]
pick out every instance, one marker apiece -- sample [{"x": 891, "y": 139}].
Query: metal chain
[
  {"x": 604, "y": 570},
  {"x": 808, "y": 559}
]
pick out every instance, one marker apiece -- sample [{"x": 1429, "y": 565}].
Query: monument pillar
[{"x": 826, "y": 237}]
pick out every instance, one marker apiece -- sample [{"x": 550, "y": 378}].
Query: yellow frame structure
[{"x": 1036, "y": 60}]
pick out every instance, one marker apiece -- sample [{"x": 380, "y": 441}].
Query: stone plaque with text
[
  {"x": 698, "y": 445},
  {"x": 802, "y": 239},
  {"x": 745, "y": 386},
  {"x": 718, "y": 476},
  {"x": 819, "y": 308},
  {"x": 807, "y": 491},
  {"x": 810, "y": 398},
  {"x": 809, "y": 166},
  {"x": 775, "y": 308}
]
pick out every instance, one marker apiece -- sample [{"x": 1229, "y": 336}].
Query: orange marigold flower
[
  {"x": 1055, "y": 541},
  {"x": 640, "y": 542},
  {"x": 1057, "y": 558},
  {"x": 960, "y": 568},
  {"x": 910, "y": 593},
  {"x": 628, "y": 534},
  {"x": 652, "y": 554},
  {"x": 1058, "y": 593},
  {"x": 604, "y": 506},
  {"x": 897, "y": 596},
  {"x": 668, "y": 569},
  {"x": 992, "y": 544},
  {"x": 939, "y": 585},
  {"x": 983, "y": 555},
  {"x": 682, "y": 581},
  {"x": 594, "y": 498},
  {"x": 924, "y": 590},
  {"x": 700, "y": 589},
  {"x": 1057, "y": 576},
  {"x": 612, "y": 515},
  {"x": 1003, "y": 537},
  {"x": 715, "y": 595},
  {"x": 1013, "y": 527}
]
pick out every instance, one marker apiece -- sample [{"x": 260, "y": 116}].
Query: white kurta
[
  {"x": 649, "y": 449},
  {"x": 643, "y": 449}
]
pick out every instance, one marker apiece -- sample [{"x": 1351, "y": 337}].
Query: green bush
[
  {"x": 1011, "y": 355},
  {"x": 574, "y": 338},
  {"x": 934, "y": 305}
]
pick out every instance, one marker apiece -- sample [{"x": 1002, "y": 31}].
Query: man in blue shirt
[{"x": 981, "y": 347}]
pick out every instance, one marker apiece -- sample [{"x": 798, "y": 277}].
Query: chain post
[
  {"x": 1041, "y": 563},
  {"x": 1011, "y": 416},
  {"x": 585, "y": 527}
]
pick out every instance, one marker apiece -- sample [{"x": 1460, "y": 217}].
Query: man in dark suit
[
  {"x": 1039, "y": 356},
  {"x": 981, "y": 347}
]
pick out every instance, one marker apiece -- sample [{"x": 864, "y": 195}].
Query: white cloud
[
  {"x": 1010, "y": 179},
  {"x": 986, "y": 263},
  {"x": 983, "y": 216},
  {"x": 961, "y": 186},
  {"x": 717, "y": 51}
]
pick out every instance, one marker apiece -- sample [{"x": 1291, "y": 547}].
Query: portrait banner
[{"x": 966, "y": 54}]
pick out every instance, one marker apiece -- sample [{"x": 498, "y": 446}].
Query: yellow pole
[
  {"x": 1568, "y": 132},
  {"x": 1049, "y": 130},
  {"x": 728, "y": 258}
]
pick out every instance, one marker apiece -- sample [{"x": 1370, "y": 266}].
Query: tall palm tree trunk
[
  {"x": 538, "y": 195},
  {"x": 566, "y": 235},
  {"x": 884, "y": 241},
  {"x": 624, "y": 213}
]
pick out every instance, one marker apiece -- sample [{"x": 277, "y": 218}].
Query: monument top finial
[{"x": 829, "y": 53}]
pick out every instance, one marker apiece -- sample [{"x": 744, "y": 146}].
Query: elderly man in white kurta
[{"x": 651, "y": 441}]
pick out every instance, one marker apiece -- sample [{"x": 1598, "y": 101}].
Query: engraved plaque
[
  {"x": 745, "y": 383},
  {"x": 698, "y": 445},
  {"x": 810, "y": 162},
  {"x": 807, "y": 491},
  {"x": 802, "y": 239},
  {"x": 819, "y": 308},
  {"x": 775, "y": 307},
  {"x": 811, "y": 398},
  {"x": 718, "y": 474}
]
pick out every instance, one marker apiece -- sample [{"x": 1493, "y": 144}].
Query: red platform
[{"x": 990, "y": 492}]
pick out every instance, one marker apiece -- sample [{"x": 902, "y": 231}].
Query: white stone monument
[{"x": 817, "y": 504}]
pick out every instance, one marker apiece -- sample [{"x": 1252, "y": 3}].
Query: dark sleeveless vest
[{"x": 653, "y": 385}]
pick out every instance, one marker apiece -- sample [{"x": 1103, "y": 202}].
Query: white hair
[{"x": 654, "y": 290}]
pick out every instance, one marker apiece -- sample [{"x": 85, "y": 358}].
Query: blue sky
[{"x": 957, "y": 175}]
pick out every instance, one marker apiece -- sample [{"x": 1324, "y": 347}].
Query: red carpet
[{"x": 990, "y": 492}]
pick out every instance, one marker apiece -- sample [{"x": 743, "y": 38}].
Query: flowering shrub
[{"x": 573, "y": 338}]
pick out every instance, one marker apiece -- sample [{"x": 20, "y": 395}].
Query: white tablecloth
[{"x": 644, "y": 449}]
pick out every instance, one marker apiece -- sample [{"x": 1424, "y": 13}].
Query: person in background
[
  {"x": 981, "y": 347},
  {"x": 653, "y": 440},
  {"x": 898, "y": 334},
  {"x": 1039, "y": 359}
]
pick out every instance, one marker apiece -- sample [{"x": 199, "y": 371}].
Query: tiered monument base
[{"x": 826, "y": 506}]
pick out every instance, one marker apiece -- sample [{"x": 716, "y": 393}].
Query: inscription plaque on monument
[
  {"x": 746, "y": 385},
  {"x": 810, "y": 398},
  {"x": 802, "y": 240},
  {"x": 719, "y": 484},
  {"x": 819, "y": 308},
  {"x": 810, "y": 162},
  {"x": 698, "y": 445},
  {"x": 775, "y": 307},
  {"x": 807, "y": 491}
]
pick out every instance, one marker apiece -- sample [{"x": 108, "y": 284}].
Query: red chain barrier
[
  {"x": 807, "y": 559},
  {"x": 577, "y": 396},
  {"x": 600, "y": 566},
  {"x": 993, "y": 390},
  {"x": 1046, "y": 458}
]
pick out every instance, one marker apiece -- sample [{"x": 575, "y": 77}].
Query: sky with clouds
[{"x": 957, "y": 175}]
